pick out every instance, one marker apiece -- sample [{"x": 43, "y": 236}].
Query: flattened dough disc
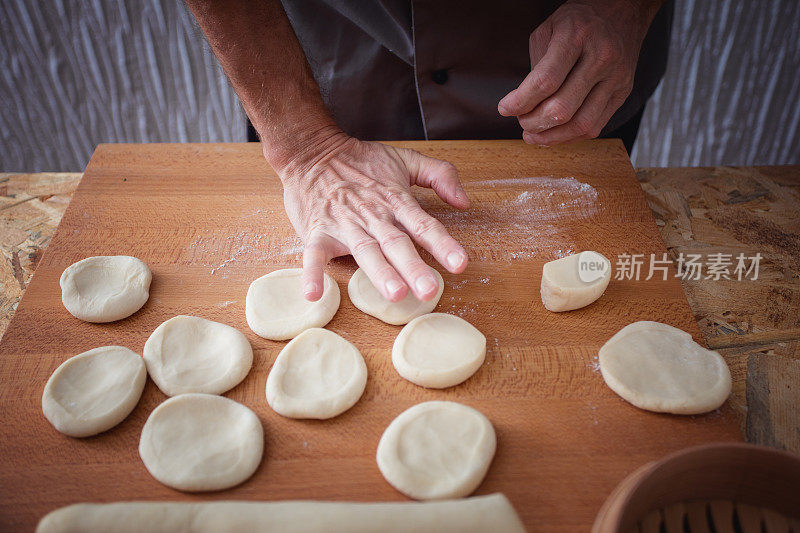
[
  {"x": 438, "y": 350},
  {"x": 105, "y": 288},
  {"x": 366, "y": 297},
  {"x": 94, "y": 391},
  {"x": 200, "y": 442},
  {"x": 660, "y": 368},
  {"x": 192, "y": 354},
  {"x": 317, "y": 375},
  {"x": 437, "y": 450},
  {"x": 276, "y": 309}
]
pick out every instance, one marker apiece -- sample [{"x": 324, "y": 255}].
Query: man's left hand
[{"x": 583, "y": 60}]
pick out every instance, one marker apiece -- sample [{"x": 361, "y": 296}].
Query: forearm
[{"x": 255, "y": 44}]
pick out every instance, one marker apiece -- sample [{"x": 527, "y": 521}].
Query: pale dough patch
[
  {"x": 200, "y": 442},
  {"x": 192, "y": 354},
  {"x": 480, "y": 514},
  {"x": 366, "y": 297},
  {"x": 437, "y": 450},
  {"x": 660, "y": 368},
  {"x": 438, "y": 350},
  {"x": 105, "y": 288},
  {"x": 317, "y": 375},
  {"x": 276, "y": 309},
  {"x": 563, "y": 288},
  {"x": 94, "y": 391}
]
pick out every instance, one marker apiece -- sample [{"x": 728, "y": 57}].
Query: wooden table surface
[{"x": 690, "y": 206}]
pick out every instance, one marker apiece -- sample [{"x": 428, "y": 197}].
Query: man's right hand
[{"x": 347, "y": 196}]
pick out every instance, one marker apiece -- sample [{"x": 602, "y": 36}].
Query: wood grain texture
[
  {"x": 749, "y": 210},
  {"x": 564, "y": 439},
  {"x": 31, "y": 206}
]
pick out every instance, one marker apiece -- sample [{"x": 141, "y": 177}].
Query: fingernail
[
  {"x": 393, "y": 286},
  {"x": 425, "y": 284},
  {"x": 454, "y": 259},
  {"x": 309, "y": 287},
  {"x": 503, "y": 110}
]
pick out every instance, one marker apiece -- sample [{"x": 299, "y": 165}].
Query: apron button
[{"x": 439, "y": 76}]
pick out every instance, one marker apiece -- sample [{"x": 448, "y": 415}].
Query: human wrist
[
  {"x": 631, "y": 17},
  {"x": 293, "y": 151}
]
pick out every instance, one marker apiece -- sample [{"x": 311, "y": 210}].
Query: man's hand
[
  {"x": 342, "y": 195},
  {"x": 353, "y": 197},
  {"x": 583, "y": 60}
]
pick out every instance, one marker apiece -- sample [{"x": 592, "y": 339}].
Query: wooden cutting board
[{"x": 209, "y": 219}]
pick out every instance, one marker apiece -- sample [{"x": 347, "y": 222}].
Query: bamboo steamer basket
[{"x": 710, "y": 488}]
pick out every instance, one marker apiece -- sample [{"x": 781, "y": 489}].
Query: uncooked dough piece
[
  {"x": 366, "y": 297},
  {"x": 94, "y": 391},
  {"x": 317, "y": 375},
  {"x": 471, "y": 515},
  {"x": 105, "y": 288},
  {"x": 199, "y": 442},
  {"x": 436, "y": 450},
  {"x": 438, "y": 350},
  {"x": 276, "y": 309},
  {"x": 574, "y": 281},
  {"x": 660, "y": 368},
  {"x": 192, "y": 354}
]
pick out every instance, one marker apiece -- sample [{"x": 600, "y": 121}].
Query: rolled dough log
[
  {"x": 192, "y": 354},
  {"x": 471, "y": 515},
  {"x": 436, "y": 450},
  {"x": 276, "y": 309},
  {"x": 199, "y": 442},
  {"x": 366, "y": 297},
  {"x": 94, "y": 391},
  {"x": 317, "y": 375},
  {"x": 574, "y": 281},
  {"x": 105, "y": 288},
  {"x": 660, "y": 368},
  {"x": 438, "y": 350}
]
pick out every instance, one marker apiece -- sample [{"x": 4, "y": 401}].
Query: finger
[
  {"x": 433, "y": 236},
  {"x": 367, "y": 253},
  {"x": 400, "y": 251},
  {"x": 545, "y": 78},
  {"x": 438, "y": 175},
  {"x": 585, "y": 124},
  {"x": 559, "y": 108},
  {"x": 316, "y": 253}
]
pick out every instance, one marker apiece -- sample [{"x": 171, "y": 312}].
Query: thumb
[{"x": 440, "y": 176}]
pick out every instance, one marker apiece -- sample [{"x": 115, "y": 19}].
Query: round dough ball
[
  {"x": 276, "y": 309},
  {"x": 437, "y": 450},
  {"x": 317, "y": 375},
  {"x": 200, "y": 442},
  {"x": 574, "y": 281},
  {"x": 366, "y": 297},
  {"x": 105, "y": 288},
  {"x": 660, "y": 368},
  {"x": 94, "y": 391},
  {"x": 438, "y": 350},
  {"x": 192, "y": 354}
]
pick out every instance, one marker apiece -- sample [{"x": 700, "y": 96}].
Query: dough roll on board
[{"x": 479, "y": 514}]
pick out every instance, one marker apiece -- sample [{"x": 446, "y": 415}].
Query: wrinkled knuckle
[
  {"x": 557, "y": 111},
  {"x": 607, "y": 53},
  {"x": 547, "y": 82},
  {"x": 394, "y": 239},
  {"x": 395, "y": 198},
  {"x": 363, "y": 245},
  {"x": 424, "y": 225},
  {"x": 384, "y": 273}
]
